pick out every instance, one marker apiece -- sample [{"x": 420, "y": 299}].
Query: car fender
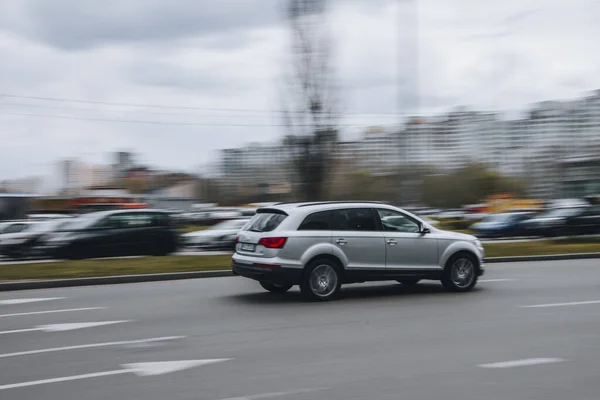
[
  {"x": 456, "y": 247},
  {"x": 322, "y": 249}
]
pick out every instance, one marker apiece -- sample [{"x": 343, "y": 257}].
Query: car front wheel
[
  {"x": 460, "y": 273},
  {"x": 322, "y": 281},
  {"x": 275, "y": 288}
]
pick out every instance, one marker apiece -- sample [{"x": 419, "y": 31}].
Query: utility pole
[{"x": 309, "y": 113}]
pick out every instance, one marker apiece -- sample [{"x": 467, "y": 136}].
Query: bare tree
[{"x": 309, "y": 103}]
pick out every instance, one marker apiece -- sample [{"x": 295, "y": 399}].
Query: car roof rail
[{"x": 322, "y": 203}]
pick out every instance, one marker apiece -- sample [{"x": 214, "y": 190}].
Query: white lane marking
[
  {"x": 51, "y": 311},
  {"x": 64, "y": 327},
  {"x": 19, "y": 331},
  {"x": 63, "y": 379},
  {"x": 274, "y": 394},
  {"x": 166, "y": 367},
  {"x": 76, "y": 325},
  {"x": 91, "y": 346},
  {"x": 139, "y": 369},
  {"x": 495, "y": 280},
  {"x": 23, "y": 301},
  {"x": 521, "y": 363},
  {"x": 573, "y": 303}
]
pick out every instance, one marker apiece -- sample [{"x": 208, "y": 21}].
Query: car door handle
[
  {"x": 392, "y": 242},
  {"x": 341, "y": 242}
]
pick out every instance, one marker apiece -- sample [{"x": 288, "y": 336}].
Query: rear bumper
[{"x": 280, "y": 275}]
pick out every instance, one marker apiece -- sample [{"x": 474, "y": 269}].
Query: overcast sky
[{"x": 231, "y": 54}]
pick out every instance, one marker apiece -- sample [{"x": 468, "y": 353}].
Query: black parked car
[
  {"x": 114, "y": 234},
  {"x": 587, "y": 222},
  {"x": 555, "y": 222},
  {"x": 502, "y": 225}
]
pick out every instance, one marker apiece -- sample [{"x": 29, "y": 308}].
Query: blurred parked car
[
  {"x": 219, "y": 237},
  {"x": 502, "y": 225},
  {"x": 23, "y": 244},
  {"x": 587, "y": 222},
  {"x": 14, "y": 226},
  {"x": 43, "y": 217},
  {"x": 553, "y": 222},
  {"x": 115, "y": 233},
  {"x": 451, "y": 214}
]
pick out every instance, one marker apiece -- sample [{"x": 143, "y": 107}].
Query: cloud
[
  {"x": 77, "y": 25},
  {"x": 231, "y": 54}
]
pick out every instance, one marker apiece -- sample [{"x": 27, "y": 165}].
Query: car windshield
[
  {"x": 560, "y": 212},
  {"x": 500, "y": 217},
  {"x": 81, "y": 222},
  {"x": 48, "y": 226},
  {"x": 231, "y": 224}
]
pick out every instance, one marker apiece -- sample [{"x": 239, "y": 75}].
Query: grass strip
[{"x": 154, "y": 265}]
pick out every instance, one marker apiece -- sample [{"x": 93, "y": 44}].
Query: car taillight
[
  {"x": 237, "y": 239},
  {"x": 273, "y": 243}
]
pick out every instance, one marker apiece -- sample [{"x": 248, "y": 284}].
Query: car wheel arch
[
  {"x": 456, "y": 248},
  {"x": 328, "y": 257},
  {"x": 466, "y": 252}
]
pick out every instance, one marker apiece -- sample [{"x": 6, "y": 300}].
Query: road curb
[
  {"x": 555, "y": 257},
  {"x": 114, "y": 280},
  {"x": 110, "y": 280}
]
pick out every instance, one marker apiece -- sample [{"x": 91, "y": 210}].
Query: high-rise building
[
  {"x": 123, "y": 161},
  {"x": 542, "y": 148}
]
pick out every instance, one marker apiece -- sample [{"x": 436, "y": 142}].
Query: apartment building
[{"x": 554, "y": 146}]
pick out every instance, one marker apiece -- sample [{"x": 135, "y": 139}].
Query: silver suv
[{"x": 319, "y": 246}]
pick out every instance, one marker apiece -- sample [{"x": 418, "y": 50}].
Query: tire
[
  {"x": 321, "y": 281},
  {"x": 275, "y": 288},
  {"x": 460, "y": 273},
  {"x": 409, "y": 281}
]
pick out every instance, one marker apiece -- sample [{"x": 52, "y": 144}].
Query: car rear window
[{"x": 265, "y": 222}]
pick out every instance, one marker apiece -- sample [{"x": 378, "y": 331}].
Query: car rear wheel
[
  {"x": 322, "y": 281},
  {"x": 460, "y": 273},
  {"x": 409, "y": 281},
  {"x": 275, "y": 287}
]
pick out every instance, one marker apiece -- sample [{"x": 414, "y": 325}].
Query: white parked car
[{"x": 219, "y": 237}]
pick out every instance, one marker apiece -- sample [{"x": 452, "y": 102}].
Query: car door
[
  {"x": 110, "y": 236},
  {"x": 356, "y": 234},
  {"x": 406, "y": 247},
  {"x": 135, "y": 234},
  {"x": 586, "y": 222}
]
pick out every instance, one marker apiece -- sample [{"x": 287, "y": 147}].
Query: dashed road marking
[
  {"x": 521, "y": 363},
  {"x": 24, "y": 301},
  {"x": 91, "y": 346},
  {"x": 274, "y": 394},
  {"x": 64, "y": 327},
  {"x": 573, "y": 303},
  {"x": 51, "y": 311}
]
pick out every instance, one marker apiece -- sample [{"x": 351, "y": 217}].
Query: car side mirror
[{"x": 425, "y": 230}]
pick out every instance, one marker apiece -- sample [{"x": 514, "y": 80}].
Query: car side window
[
  {"x": 159, "y": 219},
  {"x": 110, "y": 222},
  {"x": 15, "y": 228},
  {"x": 353, "y": 219},
  {"x": 393, "y": 221},
  {"x": 136, "y": 220},
  {"x": 319, "y": 221}
]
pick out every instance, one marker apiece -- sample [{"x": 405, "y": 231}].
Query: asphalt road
[{"x": 381, "y": 341}]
